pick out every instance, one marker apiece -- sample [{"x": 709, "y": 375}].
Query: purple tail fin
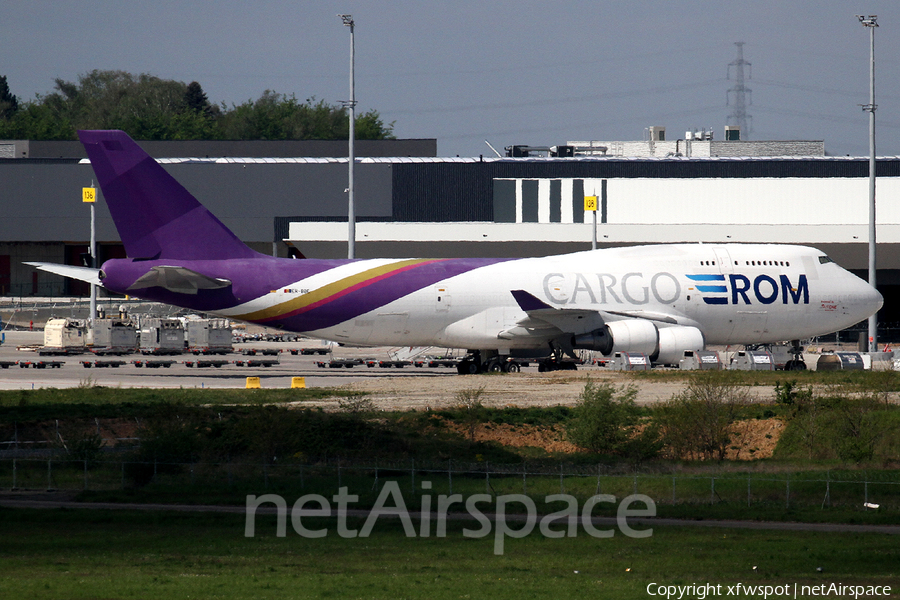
[{"x": 155, "y": 216}]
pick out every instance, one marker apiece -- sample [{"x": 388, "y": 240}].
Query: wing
[
  {"x": 543, "y": 319},
  {"x": 660, "y": 336}
]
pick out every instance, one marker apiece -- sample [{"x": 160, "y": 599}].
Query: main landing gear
[
  {"x": 490, "y": 361},
  {"x": 470, "y": 365},
  {"x": 474, "y": 363},
  {"x": 556, "y": 362}
]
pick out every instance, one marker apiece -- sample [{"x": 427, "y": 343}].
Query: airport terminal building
[{"x": 410, "y": 203}]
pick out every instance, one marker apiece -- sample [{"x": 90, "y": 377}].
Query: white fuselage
[{"x": 736, "y": 293}]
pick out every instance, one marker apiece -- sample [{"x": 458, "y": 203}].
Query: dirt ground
[
  {"x": 753, "y": 439},
  {"x": 519, "y": 389}
]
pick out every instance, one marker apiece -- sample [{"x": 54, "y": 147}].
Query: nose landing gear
[{"x": 796, "y": 363}]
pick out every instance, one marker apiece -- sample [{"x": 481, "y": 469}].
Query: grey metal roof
[{"x": 536, "y": 159}]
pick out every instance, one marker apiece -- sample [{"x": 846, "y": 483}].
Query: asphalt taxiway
[{"x": 25, "y": 371}]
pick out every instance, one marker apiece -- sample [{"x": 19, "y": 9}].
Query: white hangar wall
[
  {"x": 761, "y": 201},
  {"x": 541, "y": 216},
  {"x": 751, "y": 201}
]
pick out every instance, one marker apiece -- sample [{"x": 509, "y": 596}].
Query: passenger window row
[
  {"x": 763, "y": 263},
  {"x": 767, "y": 263}
]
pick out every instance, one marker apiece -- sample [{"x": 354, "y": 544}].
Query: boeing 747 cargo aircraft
[{"x": 658, "y": 300}]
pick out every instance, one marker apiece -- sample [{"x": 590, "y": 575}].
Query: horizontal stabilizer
[
  {"x": 80, "y": 273},
  {"x": 179, "y": 280}
]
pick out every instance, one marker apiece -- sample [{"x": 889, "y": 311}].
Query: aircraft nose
[{"x": 870, "y": 300}]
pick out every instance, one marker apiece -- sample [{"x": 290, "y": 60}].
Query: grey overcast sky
[{"x": 507, "y": 71}]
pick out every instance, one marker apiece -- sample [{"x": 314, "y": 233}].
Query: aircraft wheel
[
  {"x": 542, "y": 368},
  {"x": 467, "y": 367},
  {"x": 513, "y": 368}
]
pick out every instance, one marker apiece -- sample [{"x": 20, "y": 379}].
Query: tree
[
  {"x": 145, "y": 106},
  {"x": 151, "y": 108},
  {"x": 274, "y": 116},
  {"x": 369, "y": 126},
  {"x": 196, "y": 118},
  {"x": 9, "y": 104},
  {"x": 195, "y": 99}
]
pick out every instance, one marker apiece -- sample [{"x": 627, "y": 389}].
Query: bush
[
  {"x": 357, "y": 404},
  {"x": 606, "y": 420},
  {"x": 472, "y": 410},
  {"x": 696, "y": 424},
  {"x": 80, "y": 442},
  {"x": 789, "y": 393},
  {"x": 840, "y": 426}
]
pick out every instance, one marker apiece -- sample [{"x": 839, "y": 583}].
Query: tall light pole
[
  {"x": 89, "y": 196},
  {"x": 871, "y": 21},
  {"x": 351, "y": 158}
]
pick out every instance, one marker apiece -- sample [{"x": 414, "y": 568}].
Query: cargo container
[
  {"x": 64, "y": 336},
  {"x": 700, "y": 360},
  {"x": 209, "y": 336},
  {"x": 162, "y": 336},
  {"x": 114, "y": 336},
  {"x": 630, "y": 361},
  {"x": 755, "y": 360}
]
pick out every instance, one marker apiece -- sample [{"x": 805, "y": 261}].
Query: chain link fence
[{"x": 326, "y": 477}]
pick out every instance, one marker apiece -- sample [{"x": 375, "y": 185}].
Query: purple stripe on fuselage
[
  {"x": 353, "y": 287},
  {"x": 380, "y": 293},
  {"x": 252, "y": 278}
]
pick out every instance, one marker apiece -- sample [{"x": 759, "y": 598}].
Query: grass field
[
  {"x": 93, "y": 554},
  {"x": 215, "y": 447}
]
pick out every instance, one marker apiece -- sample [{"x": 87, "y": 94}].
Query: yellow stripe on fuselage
[{"x": 326, "y": 291}]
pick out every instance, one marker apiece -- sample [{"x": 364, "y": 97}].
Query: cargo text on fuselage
[{"x": 636, "y": 288}]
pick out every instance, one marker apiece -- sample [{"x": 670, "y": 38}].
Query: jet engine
[
  {"x": 663, "y": 345},
  {"x": 673, "y": 341}
]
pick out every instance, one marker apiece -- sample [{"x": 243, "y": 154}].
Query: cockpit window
[{"x": 824, "y": 260}]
